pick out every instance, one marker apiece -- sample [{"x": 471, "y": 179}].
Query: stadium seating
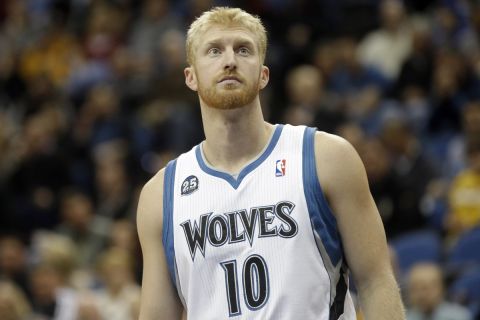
[
  {"x": 466, "y": 290},
  {"x": 465, "y": 254},
  {"x": 415, "y": 247}
]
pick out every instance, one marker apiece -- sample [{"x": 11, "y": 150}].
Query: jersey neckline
[{"x": 235, "y": 182}]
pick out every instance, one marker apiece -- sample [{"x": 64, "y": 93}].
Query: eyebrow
[{"x": 240, "y": 41}]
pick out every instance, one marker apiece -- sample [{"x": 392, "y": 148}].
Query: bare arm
[
  {"x": 159, "y": 300},
  {"x": 343, "y": 178}
]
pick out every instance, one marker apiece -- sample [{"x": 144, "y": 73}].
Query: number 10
[{"x": 256, "y": 286}]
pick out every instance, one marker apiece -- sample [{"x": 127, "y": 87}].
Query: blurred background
[{"x": 93, "y": 103}]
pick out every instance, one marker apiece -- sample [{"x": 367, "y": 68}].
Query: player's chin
[{"x": 231, "y": 86}]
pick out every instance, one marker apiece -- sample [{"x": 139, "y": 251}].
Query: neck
[{"x": 234, "y": 137}]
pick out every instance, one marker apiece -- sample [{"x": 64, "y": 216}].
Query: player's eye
[
  {"x": 244, "y": 51},
  {"x": 214, "y": 51}
]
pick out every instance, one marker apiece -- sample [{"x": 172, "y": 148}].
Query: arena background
[{"x": 93, "y": 103}]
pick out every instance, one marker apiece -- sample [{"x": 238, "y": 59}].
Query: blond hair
[
  {"x": 225, "y": 17},
  {"x": 113, "y": 258},
  {"x": 13, "y": 296}
]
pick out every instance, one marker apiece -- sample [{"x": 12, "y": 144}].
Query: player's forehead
[{"x": 223, "y": 35}]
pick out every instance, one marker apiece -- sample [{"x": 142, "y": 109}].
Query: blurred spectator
[
  {"x": 100, "y": 119},
  {"x": 17, "y": 26},
  {"x": 350, "y": 76},
  {"x": 413, "y": 84},
  {"x": 471, "y": 119},
  {"x": 9, "y": 141},
  {"x": 360, "y": 87},
  {"x": 353, "y": 133},
  {"x": 308, "y": 102},
  {"x": 417, "y": 107},
  {"x": 412, "y": 171},
  {"x": 55, "y": 252},
  {"x": 449, "y": 78},
  {"x": 105, "y": 28},
  {"x": 156, "y": 33},
  {"x": 103, "y": 33},
  {"x": 325, "y": 58},
  {"x": 117, "y": 300},
  {"x": 51, "y": 300},
  {"x": 13, "y": 303},
  {"x": 113, "y": 189},
  {"x": 464, "y": 195},
  {"x": 452, "y": 29},
  {"x": 10, "y": 79},
  {"x": 304, "y": 86},
  {"x": 51, "y": 55},
  {"x": 13, "y": 262},
  {"x": 426, "y": 296},
  {"x": 168, "y": 80},
  {"x": 452, "y": 159},
  {"x": 78, "y": 223},
  {"x": 416, "y": 71},
  {"x": 54, "y": 262},
  {"x": 456, "y": 149},
  {"x": 388, "y": 47},
  {"x": 379, "y": 168},
  {"x": 40, "y": 172},
  {"x": 147, "y": 32},
  {"x": 367, "y": 108},
  {"x": 169, "y": 127},
  {"x": 124, "y": 236},
  {"x": 87, "y": 308}
]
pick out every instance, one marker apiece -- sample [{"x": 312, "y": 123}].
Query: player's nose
[{"x": 230, "y": 62}]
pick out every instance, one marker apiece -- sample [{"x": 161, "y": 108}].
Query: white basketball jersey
[{"x": 261, "y": 245}]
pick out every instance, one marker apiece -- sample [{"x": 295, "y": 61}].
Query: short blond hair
[
  {"x": 13, "y": 296},
  {"x": 113, "y": 258},
  {"x": 225, "y": 17}
]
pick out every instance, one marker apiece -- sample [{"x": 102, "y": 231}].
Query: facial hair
[{"x": 229, "y": 97}]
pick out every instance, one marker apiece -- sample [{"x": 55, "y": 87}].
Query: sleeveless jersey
[{"x": 261, "y": 245}]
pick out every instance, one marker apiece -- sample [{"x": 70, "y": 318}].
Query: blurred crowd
[{"x": 93, "y": 103}]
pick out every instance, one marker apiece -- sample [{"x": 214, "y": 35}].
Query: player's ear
[
  {"x": 264, "y": 77},
  {"x": 190, "y": 78}
]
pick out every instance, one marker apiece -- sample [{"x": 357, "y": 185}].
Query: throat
[{"x": 232, "y": 155}]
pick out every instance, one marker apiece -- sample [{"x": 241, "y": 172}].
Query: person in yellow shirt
[
  {"x": 464, "y": 194},
  {"x": 52, "y": 56}
]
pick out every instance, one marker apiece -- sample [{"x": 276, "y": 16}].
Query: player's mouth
[{"x": 230, "y": 79}]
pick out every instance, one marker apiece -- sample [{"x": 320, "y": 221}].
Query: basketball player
[{"x": 259, "y": 221}]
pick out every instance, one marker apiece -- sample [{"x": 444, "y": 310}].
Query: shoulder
[
  {"x": 333, "y": 145},
  {"x": 333, "y": 152},
  {"x": 339, "y": 167},
  {"x": 150, "y": 204},
  {"x": 154, "y": 186},
  {"x": 152, "y": 191}
]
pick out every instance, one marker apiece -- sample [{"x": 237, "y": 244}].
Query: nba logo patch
[{"x": 280, "y": 168}]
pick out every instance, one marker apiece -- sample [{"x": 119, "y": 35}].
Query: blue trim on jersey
[
  {"x": 168, "y": 245},
  {"x": 320, "y": 213},
  {"x": 252, "y": 166}
]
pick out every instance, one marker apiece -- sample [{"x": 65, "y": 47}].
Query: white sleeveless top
[{"x": 262, "y": 245}]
